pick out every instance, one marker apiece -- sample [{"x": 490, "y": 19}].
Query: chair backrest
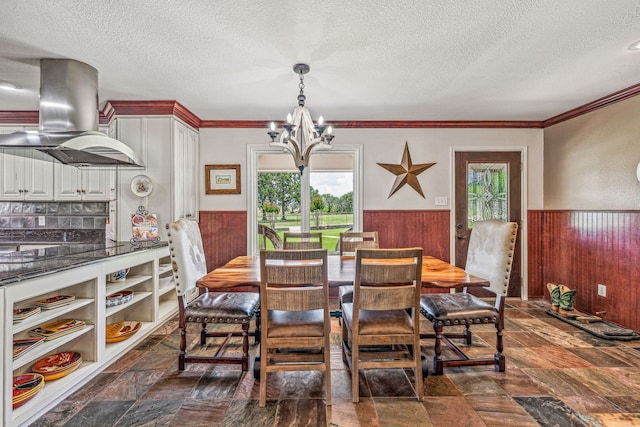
[
  {"x": 387, "y": 279},
  {"x": 490, "y": 253},
  {"x": 302, "y": 240},
  {"x": 265, "y": 233},
  {"x": 187, "y": 256},
  {"x": 351, "y": 240},
  {"x": 294, "y": 280}
]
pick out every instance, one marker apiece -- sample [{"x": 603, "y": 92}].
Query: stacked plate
[
  {"x": 21, "y": 346},
  {"x": 25, "y": 387},
  {"x": 58, "y": 365},
  {"x": 57, "y": 329},
  {"x": 122, "y": 330},
  {"x": 20, "y": 314},
  {"x": 55, "y": 302},
  {"x": 119, "y": 298}
]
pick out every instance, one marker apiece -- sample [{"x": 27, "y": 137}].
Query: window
[{"x": 326, "y": 197}]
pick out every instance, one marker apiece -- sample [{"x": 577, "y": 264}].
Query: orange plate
[
  {"x": 58, "y": 365},
  {"x": 35, "y": 383},
  {"x": 122, "y": 330}
]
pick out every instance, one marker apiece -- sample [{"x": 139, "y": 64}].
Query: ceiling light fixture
[
  {"x": 300, "y": 136},
  {"x": 635, "y": 45}
]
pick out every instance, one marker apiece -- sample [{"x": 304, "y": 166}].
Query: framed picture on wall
[{"x": 222, "y": 179}]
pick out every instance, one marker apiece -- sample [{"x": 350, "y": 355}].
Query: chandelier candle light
[{"x": 300, "y": 136}]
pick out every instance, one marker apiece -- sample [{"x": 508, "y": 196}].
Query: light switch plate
[{"x": 442, "y": 201}]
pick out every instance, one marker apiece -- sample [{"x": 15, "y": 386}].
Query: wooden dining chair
[
  {"x": 490, "y": 256},
  {"x": 312, "y": 240},
  {"x": 267, "y": 233},
  {"x": 196, "y": 305},
  {"x": 294, "y": 304},
  {"x": 348, "y": 242},
  {"x": 380, "y": 328}
]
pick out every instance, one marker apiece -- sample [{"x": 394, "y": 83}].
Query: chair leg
[
  {"x": 500, "y": 363},
  {"x": 438, "y": 367},
  {"x": 467, "y": 334},
  {"x": 183, "y": 346},
  {"x": 258, "y": 333},
  {"x": 203, "y": 334},
  {"x": 245, "y": 346}
]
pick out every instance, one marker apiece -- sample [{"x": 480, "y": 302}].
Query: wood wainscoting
[
  {"x": 582, "y": 249},
  {"x": 427, "y": 229},
  {"x": 224, "y": 236}
]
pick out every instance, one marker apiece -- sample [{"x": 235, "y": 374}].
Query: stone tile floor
[{"x": 557, "y": 375}]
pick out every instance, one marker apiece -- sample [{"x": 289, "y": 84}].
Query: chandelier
[{"x": 300, "y": 136}]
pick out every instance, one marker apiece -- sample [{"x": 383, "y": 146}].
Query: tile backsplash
[{"x": 37, "y": 222}]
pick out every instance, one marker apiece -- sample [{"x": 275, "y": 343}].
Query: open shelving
[{"x": 150, "y": 278}]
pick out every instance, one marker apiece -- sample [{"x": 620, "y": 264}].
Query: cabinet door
[
  {"x": 191, "y": 177},
  {"x": 179, "y": 141},
  {"x": 67, "y": 182},
  {"x": 97, "y": 184},
  {"x": 12, "y": 177},
  {"x": 38, "y": 176}
]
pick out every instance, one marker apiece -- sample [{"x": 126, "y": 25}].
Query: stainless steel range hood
[{"x": 69, "y": 120}]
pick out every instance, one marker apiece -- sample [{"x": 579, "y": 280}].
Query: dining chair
[
  {"x": 197, "y": 305},
  {"x": 380, "y": 328},
  {"x": 294, "y": 304},
  {"x": 490, "y": 256},
  {"x": 312, "y": 240},
  {"x": 348, "y": 242},
  {"x": 268, "y": 233}
]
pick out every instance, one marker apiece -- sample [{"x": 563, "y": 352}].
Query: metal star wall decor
[{"x": 406, "y": 172}]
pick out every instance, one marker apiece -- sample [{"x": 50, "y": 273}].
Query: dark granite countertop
[{"x": 18, "y": 266}]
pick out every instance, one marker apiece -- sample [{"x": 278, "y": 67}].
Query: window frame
[{"x": 255, "y": 150}]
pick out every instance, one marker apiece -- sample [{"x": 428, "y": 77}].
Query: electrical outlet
[
  {"x": 602, "y": 290},
  {"x": 41, "y": 220}
]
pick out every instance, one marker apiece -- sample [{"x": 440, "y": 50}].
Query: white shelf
[
  {"x": 164, "y": 268},
  {"x": 46, "y": 315},
  {"x": 47, "y": 347},
  {"x": 129, "y": 282},
  {"x": 137, "y": 297},
  {"x": 52, "y": 391},
  {"x": 117, "y": 348},
  {"x": 167, "y": 308}
]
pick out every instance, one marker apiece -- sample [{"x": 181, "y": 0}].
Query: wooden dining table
[{"x": 245, "y": 271}]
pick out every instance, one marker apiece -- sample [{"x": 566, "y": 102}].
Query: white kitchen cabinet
[
  {"x": 87, "y": 184},
  {"x": 169, "y": 150},
  {"x": 153, "y": 303},
  {"x": 25, "y": 175},
  {"x": 185, "y": 157}
]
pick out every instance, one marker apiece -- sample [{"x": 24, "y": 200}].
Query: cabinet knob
[
  {"x": 78, "y": 191},
  {"x": 26, "y": 191},
  {"x": 20, "y": 191},
  {"x": 83, "y": 191}
]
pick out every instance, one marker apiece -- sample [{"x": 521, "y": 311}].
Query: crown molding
[
  {"x": 174, "y": 108},
  {"x": 605, "y": 101},
  {"x": 19, "y": 117},
  {"x": 151, "y": 108}
]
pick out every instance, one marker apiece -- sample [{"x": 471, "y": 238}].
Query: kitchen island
[{"x": 89, "y": 273}]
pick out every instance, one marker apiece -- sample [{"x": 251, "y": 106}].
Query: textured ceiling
[{"x": 370, "y": 59}]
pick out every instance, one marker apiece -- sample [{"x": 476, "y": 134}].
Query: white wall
[
  {"x": 228, "y": 146},
  {"x": 590, "y": 161}
]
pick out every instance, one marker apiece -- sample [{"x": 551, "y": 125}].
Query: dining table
[{"x": 245, "y": 271}]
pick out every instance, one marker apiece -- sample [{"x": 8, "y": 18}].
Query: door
[{"x": 488, "y": 186}]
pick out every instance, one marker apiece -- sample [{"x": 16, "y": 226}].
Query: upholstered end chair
[
  {"x": 490, "y": 256},
  {"x": 197, "y": 305}
]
